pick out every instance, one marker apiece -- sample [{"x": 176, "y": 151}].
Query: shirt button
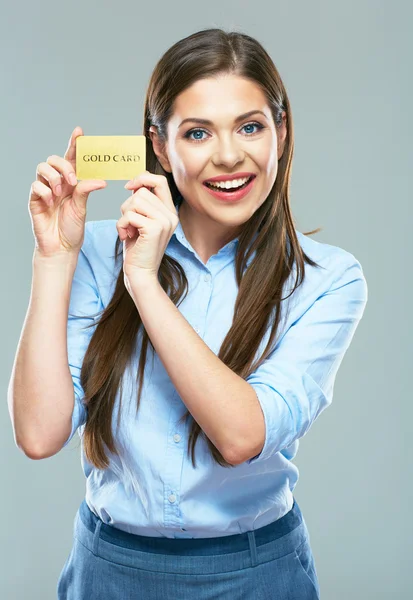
[
  {"x": 207, "y": 277},
  {"x": 172, "y": 498},
  {"x": 177, "y": 437},
  {"x": 196, "y": 329}
]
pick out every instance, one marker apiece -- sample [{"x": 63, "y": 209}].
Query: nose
[{"x": 228, "y": 153}]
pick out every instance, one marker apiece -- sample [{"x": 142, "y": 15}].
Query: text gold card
[{"x": 110, "y": 156}]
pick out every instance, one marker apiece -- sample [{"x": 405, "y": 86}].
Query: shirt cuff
[
  {"x": 278, "y": 421},
  {"x": 78, "y": 418}
]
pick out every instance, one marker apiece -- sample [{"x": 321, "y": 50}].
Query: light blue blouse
[{"x": 152, "y": 488}]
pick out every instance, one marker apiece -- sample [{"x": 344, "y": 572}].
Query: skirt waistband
[{"x": 191, "y": 546}]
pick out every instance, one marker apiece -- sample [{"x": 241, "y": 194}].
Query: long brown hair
[{"x": 206, "y": 53}]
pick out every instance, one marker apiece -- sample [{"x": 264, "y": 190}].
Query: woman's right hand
[{"x": 57, "y": 204}]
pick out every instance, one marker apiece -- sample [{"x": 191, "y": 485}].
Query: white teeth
[{"x": 229, "y": 184}]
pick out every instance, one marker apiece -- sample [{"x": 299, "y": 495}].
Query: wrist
[
  {"x": 60, "y": 260},
  {"x": 137, "y": 281}
]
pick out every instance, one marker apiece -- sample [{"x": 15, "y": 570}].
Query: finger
[
  {"x": 47, "y": 174},
  {"x": 129, "y": 220},
  {"x": 160, "y": 186},
  {"x": 40, "y": 190},
  {"x": 130, "y": 232},
  {"x": 64, "y": 168},
  {"x": 84, "y": 188},
  {"x": 70, "y": 153},
  {"x": 128, "y": 227},
  {"x": 143, "y": 197}
]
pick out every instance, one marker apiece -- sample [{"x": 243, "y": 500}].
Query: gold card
[{"x": 110, "y": 156}]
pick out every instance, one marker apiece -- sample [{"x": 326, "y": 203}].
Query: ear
[
  {"x": 282, "y": 134},
  {"x": 159, "y": 149}
]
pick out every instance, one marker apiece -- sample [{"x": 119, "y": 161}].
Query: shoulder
[
  {"x": 337, "y": 268},
  {"x": 331, "y": 257}
]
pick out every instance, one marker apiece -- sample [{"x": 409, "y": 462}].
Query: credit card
[{"x": 110, "y": 156}]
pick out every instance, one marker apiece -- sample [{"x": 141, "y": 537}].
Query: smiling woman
[
  {"x": 230, "y": 146},
  {"x": 235, "y": 366}
]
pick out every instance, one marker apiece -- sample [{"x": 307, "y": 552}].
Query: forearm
[
  {"x": 223, "y": 404},
  {"x": 40, "y": 393}
]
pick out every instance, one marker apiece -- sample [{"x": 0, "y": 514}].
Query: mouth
[
  {"x": 231, "y": 194},
  {"x": 230, "y": 189}
]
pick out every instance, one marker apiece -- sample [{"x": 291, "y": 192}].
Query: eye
[{"x": 197, "y": 130}]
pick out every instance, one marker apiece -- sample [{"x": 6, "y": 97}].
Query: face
[{"x": 195, "y": 152}]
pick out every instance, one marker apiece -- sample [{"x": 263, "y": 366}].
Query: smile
[
  {"x": 230, "y": 184},
  {"x": 231, "y": 194}
]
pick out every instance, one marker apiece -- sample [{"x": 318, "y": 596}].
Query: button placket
[{"x": 173, "y": 469}]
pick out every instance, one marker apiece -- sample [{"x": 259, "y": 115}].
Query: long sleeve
[
  {"x": 85, "y": 302},
  {"x": 295, "y": 384}
]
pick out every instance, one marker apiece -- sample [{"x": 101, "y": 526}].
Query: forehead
[{"x": 219, "y": 98}]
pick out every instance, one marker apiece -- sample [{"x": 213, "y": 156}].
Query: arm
[
  {"x": 250, "y": 420},
  {"x": 40, "y": 393},
  {"x": 295, "y": 383},
  {"x": 45, "y": 396},
  {"x": 222, "y": 403}
]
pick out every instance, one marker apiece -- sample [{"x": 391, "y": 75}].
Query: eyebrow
[{"x": 207, "y": 122}]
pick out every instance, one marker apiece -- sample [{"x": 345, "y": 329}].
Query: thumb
[{"x": 85, "y": 187}]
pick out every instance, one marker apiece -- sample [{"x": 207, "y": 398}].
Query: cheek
[
  {"x": 269, "y": 158},
  {"x": 265, "y": 156},
  {"x": 191, "y": 160},
  {"x": 190, "y": 171},
  {"x": 186, "y": 166}
]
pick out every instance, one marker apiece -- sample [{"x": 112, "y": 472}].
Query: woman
[{"x": 190, "y": 483}]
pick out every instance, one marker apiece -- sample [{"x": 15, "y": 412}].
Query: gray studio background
[{"x": 347, "y": 69}]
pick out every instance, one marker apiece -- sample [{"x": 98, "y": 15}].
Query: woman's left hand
[{"x": 150, "y": 217}]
